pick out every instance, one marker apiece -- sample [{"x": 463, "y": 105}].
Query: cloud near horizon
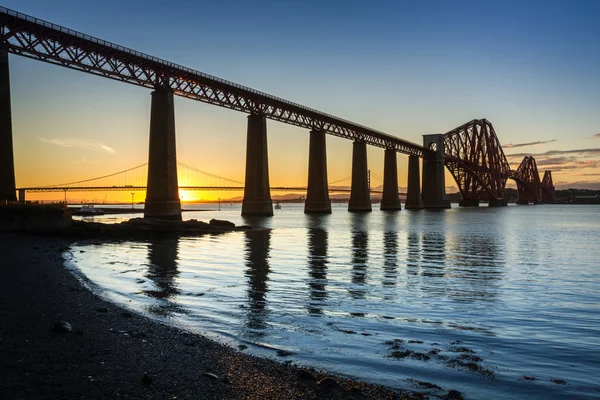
[
  {"x": 80, "y": 144},
  {"x": 561, "y": 161},
  {"x": 512, "y": 146},
  {"x": 592, "y": 185},
  {"x": 588, "y": 152}
]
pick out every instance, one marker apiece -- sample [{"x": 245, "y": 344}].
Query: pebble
[
  {"x": 211, "y": 375},
  {"x": 305, "y": 375},
  {"x": 146, "y": 379},
  {"x": 62, "y": 326},
  {"x": 453, "y": 395},
  {"x": 330, "y": 384}
]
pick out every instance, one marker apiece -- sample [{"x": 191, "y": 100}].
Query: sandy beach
[{"x": 113, "y": 353}]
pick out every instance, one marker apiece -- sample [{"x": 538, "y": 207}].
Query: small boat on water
[
  {"x": 277, "y": 206},
  {"x": 88, "y": 209}
]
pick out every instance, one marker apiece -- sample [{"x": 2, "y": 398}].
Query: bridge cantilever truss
[
  {"x": 548, "y": 190},
  {"x": 475, "y": 158},
  {"x": 527, "y": 178},
  {"x": 34, "y": 38},
  {"x": 477, "y": 163}
]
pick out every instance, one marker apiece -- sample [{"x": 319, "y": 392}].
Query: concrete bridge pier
[
  {"x": 413, "y": 193},
  {"x": 434, "y": 182},
  {"x": 7, "y": 164},
  {"x": 390, "y": 201},
  {"x": 360, "y": 196},
  {"x": 162, "y": 193},
  {"x": 317, "y": 194},
  {"x": 257, "y": 192}
]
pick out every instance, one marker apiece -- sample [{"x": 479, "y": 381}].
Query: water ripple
[{"x": 472, "y": 300}]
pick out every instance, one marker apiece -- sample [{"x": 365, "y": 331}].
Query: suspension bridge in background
[{"x": 133, "y": 180}]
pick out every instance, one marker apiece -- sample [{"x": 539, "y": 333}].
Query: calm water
[{"x": 467, "y": 299}]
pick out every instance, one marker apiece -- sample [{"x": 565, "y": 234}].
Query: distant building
[{"x": 586, "y": 199}]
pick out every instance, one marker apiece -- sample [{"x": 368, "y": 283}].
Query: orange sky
[
  {"x": 531, "y": 71},
  {"x": 78, "y": 126}
]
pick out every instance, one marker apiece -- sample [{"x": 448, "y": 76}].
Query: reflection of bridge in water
[{"x": 471, "y": 152}]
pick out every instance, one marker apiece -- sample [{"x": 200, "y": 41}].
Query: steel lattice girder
[
  {"x": 547, "y": 187},
  {"x": 547, "y": 181},
  {"x": 34, "y": 38},
  {"x": 476, "y": 160},
  {"x": 528, "y": 179}
]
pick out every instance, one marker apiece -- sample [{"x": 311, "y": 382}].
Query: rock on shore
[{"x": 57, "y": 220}]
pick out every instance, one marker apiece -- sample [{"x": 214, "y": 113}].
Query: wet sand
[{"x": 113, "y": 353}]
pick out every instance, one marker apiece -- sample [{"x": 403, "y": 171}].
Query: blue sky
[{"x": 405, "y": 67}]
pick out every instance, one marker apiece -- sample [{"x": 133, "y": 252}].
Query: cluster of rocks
[
  {"x": 25, "y": 218},
  {"x": 144, "y": 227},
  {"x": 57, "y": 220}
]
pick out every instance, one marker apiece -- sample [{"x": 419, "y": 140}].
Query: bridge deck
[{"x": 31, "y": 37}]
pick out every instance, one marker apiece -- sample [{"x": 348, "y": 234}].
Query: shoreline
[{"x": 113, "y": 352}]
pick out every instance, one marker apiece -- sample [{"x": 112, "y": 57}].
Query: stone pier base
[
  {"x": 360, "y": 196},
  {"x": 162, "y": 194},
  {"x": 257, "y": 192},
  {"x": 7, "y": 164},
  {"x": 317, "y": 194},
  {"x": 413, "y": 195},
  {"x": 390, "y": 201},
  {"x": 434, "y": 182}
]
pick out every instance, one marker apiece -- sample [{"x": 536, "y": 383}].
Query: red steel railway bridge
[{"x": 471, "y": 152}]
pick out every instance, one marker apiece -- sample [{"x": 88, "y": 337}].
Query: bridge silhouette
[{"x": 471, "y": 152}]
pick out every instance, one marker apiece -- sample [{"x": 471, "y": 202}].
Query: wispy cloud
[
  {"x": 511, "y": 146},
  {"x": 83, "y": 160},
  {"x": 80, "y": 144},
  {"x": 597, "y": 135},
  {"x": 562, "y": 161},
  {"x": 557, "y": 152}
]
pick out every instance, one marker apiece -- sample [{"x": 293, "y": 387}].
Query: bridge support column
[
  {"x": 360, "y": 196},
  {"x": 469, "y": 203},
  {"x": 162, "y": 193},
  {"x": 257, "y": 192},
  {"x": 413, "y": 192},
  {"x": 22, "y": 196},
  {"x": 7, "y": 165},
  {"x": 317, "y": 194},
  {"x": 390, "y": 200},
  {"x": 497, "y": 203},
  {"x": 434, "y": 182}
]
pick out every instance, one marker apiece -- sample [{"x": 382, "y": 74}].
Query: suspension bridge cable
[
  {"x": 373, "y": 174},
  {"x": 339, "y": 180},
  {"x": 100, "y": 177},
  {"x": 208, "y": 173}
]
